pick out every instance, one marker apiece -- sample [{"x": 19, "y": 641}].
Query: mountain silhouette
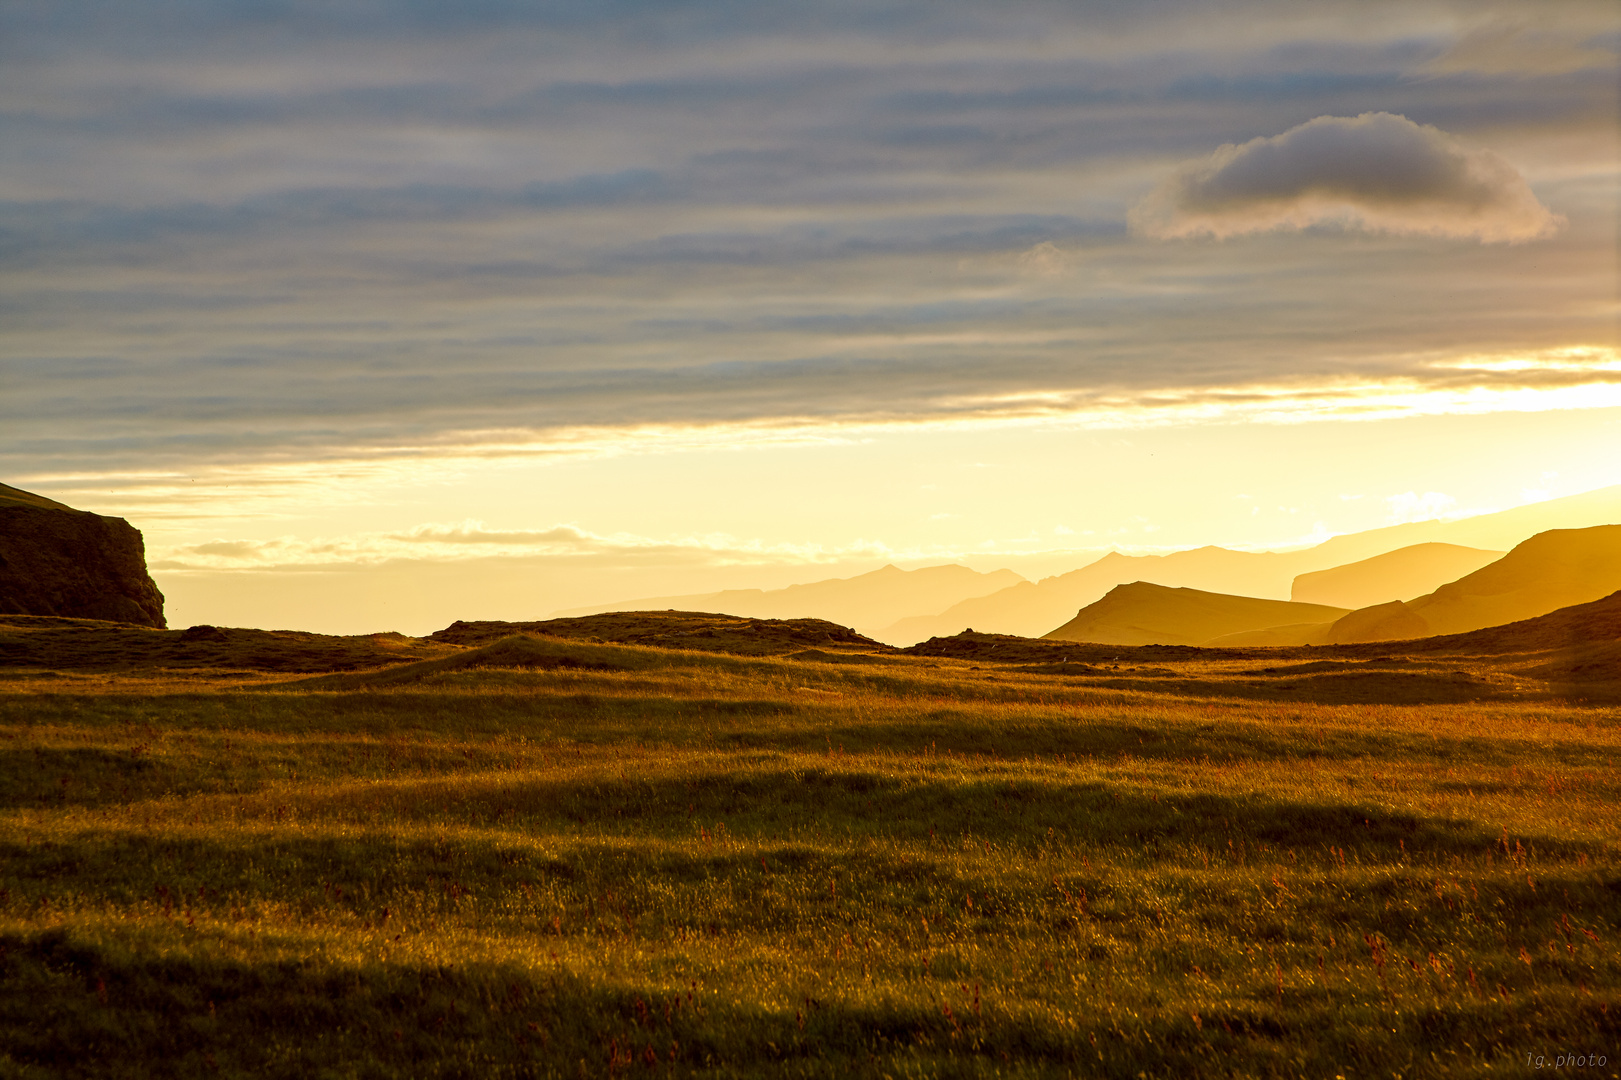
[
  {"x": 1031, "y": 609},
  {"x": 1396, "y": 575},
  {"x": 867, "y": 603},
  {"x": 1580, "y": 626},
  {"x": 1552, "y": 570},
  {"x": 1143, "y": 613}
]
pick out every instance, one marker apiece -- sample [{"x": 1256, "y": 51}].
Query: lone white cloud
[{"x": 1378, "y": 172}]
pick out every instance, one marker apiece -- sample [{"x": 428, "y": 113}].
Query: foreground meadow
[{"x": 676, "y": 863}]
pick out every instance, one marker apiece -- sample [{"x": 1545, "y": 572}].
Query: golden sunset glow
[
  {"x": 591, "y": 317},
  {"x": 835, "y": 540}
]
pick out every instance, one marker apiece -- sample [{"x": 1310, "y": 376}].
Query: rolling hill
[
  {"x": 699, "y": 631},
  {"x": 1597, "y": 622},
  {"x": 1143, "y": 613}
]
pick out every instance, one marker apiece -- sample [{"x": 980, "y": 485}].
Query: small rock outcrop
[{"x": 55, "y": 560}]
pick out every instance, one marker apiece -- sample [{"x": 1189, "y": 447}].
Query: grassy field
[{"x": 634, "y": 861}]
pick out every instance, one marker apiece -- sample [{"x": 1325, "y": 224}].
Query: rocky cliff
[{"x": 55, "y": 560}]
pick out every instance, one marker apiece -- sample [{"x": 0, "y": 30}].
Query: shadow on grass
[
  {"x": 668, "y": 822},
  {"x": 764, "y": 799},
  {"x": 763, "y": 802},
  {"x": 117, "y": 1010},
  {"x": 1154, "y": 735},
  {"x": 1036, "y": 728},
  {"x": 57, "y": 777},
  {"x": 1336, "y": 688}
]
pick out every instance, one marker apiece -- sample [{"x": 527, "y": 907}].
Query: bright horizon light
[{"x": 397, "y": 319}]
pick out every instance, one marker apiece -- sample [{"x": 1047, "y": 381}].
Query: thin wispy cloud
[
  {"x": 468, "y": 540},
  {"x": 1526, "y": 47},
  {"x": 1407, "y": 387}
]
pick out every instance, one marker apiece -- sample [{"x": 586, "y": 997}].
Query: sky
[{"x": 376, "y": 314}]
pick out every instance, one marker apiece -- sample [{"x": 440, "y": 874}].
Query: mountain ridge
[
  {"x": 1551, "y": 570},
  {"x": 1033, "y": 608},
  {"x": 1402, "y": 574},
  {"x": 865, "y": 602},
  {"x": 1144, "y": 613}
]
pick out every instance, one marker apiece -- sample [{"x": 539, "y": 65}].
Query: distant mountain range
[
  {"x": 1032, "y": 609},
  {"x": 1552, "y": 570},
  {"x": 866, "y": 603},
  {"x": 1350, "y": 573}
]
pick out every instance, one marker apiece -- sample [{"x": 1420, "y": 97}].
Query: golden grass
[{"x": 715, "y": 865}]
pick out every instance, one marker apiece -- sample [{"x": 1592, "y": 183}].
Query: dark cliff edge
[{"x": 55, "y": 560}]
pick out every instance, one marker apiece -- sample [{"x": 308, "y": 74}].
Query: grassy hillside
[
  {"x": 990, "y": 856},
  {"x": 1146, "y": 614},
  {"x": 19, "y": 497}
]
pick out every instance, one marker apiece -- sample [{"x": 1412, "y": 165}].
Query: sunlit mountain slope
[
  {"x": 1551, "y": 570},
  {"x": 1143, "y": 613},
  {"x": 1031, "y": 609},
  {"x": 1396, "y": 575}
]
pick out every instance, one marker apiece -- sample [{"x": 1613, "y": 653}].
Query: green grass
[{"x": 716, "y": 866}]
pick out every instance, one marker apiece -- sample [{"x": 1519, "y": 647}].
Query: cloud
[
  {"x": 462, "y": 541},
  {"x": 1378, "y": 172},
  {"x": 238, "y": 485},
  {"x": 1514, "y": 47},
  {"x": 1411, "y": 506},
  {"x": 1046, "y": 259},
  {"x": 264, "y": 236}
]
